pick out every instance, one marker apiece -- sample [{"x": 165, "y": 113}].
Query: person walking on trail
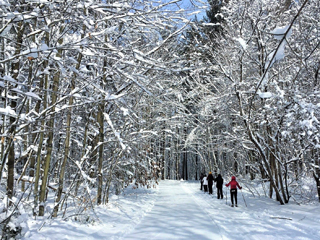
[
  {"x": 205, "y": 184},
  {"x": 201, "y": 181},
  {"x": 210, "y": 179},
  {"x": 233, "y": 190},
  {"x": 219, "y": 185}
]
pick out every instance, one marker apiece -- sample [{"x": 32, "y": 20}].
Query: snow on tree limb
[{"x": 116, "y": 134}]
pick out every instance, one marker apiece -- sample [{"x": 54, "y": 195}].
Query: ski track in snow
[
  {"x": 179, "y": 210},
  {"x": 204, "y": 205},
  {"x": 263, "y": 218},
  {"x": 176, "y": 214}
]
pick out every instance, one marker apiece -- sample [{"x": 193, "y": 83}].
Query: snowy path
[
  {"x": 179, "y": 210},
  {"x": 177, "y": 214},
  {"x": 182, "y": 211}
]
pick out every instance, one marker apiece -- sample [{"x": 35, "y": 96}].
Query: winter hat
[{"x": 233, "y": 178}]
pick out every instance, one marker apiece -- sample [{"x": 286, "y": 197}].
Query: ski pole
[{"x": 243, "y": 198}]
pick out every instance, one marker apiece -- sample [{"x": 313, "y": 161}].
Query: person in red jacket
[{"x": 233, "y": 190}]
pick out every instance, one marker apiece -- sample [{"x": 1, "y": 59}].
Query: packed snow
[{"x": 180, "y": 210}]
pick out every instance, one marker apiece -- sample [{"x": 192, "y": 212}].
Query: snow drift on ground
[{"x": 179, "y": 210}]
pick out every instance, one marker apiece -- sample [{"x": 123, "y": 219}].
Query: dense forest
[{"x": 96, "y": 95}]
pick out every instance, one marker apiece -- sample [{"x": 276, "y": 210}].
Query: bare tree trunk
[
  {"x": 185, "y": 165},
  {"x": 197, "y": 166},
  {"x": 2, "y": 148},
  {"x": 27, "y": 139},
  {"x": 208, "y": 148},
  {"x": 163, "y": 156},
  {"x": 109, "y": 178},
  {"x": 43, "y": 80},
  {"x": 276, "y": 175},
  {"x": 177, "y": 156},
  {"x": 281, "y": 184},
  {"x": 316, "y": 171},
  {"x": 316, "y": 178},
  {"x": 100, "y": 156},
  {"x": 15, "y": 72},
  {"x": 66, "y": 155},
  {"x": 272, "y": 170},
  {"x": 50, "y": 128},
  {"x": 68, "y": 136},
  {"x": 37, "y": 173},
  {"x": 55, "y": 87},
  {"x": 3, "y": 104},
  {"x": 10, "y": 164},
  {"x": 84, "y": 142},
  {"x": 37, "y": 160}
]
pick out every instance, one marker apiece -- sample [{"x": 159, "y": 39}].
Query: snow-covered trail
[
  {"x": 179, "y": 210},
  {"x": 176, "y": 214},
  {"x": 182, "y": 211}
]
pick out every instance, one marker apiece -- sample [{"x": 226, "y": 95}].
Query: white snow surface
[
  {"x": 280, "y": 31},
  {"x": 8, "y": 111},
  {"x": 265, "y": 94},
  {"x": 179, "y": 210},
  {"x": 242, "y": 43}
]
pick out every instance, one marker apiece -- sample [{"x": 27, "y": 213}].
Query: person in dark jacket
[
  {"x": 210, "y": 179},
  {"x": 219, "y": 185},
  {"x": 201, "y": 180},
  {"x": 233, "y": 190}
]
